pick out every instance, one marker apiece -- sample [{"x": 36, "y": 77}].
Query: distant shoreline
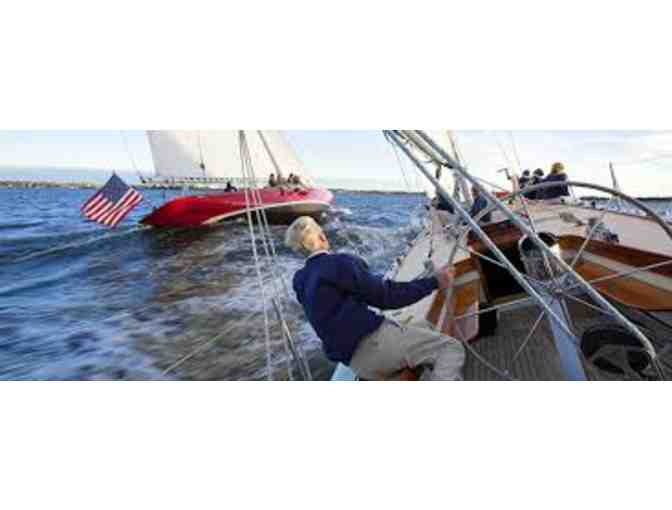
[{"x": 93, "y": 185}]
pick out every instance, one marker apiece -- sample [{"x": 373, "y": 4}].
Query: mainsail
[{"x": 216, "y": 154}]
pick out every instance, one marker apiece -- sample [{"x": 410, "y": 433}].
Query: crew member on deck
[
  {"x": 557, "y": 175},
  {"x": 444, "y": 205},
  {"x": 272, "y": 182},
  {"x": 230, "y": 187},
  {"x": 524, "y": 180},
  {"x": 336, "y": 291},
  {"x": 538, "y": 178},
  {"x": 480, "y": 204}
]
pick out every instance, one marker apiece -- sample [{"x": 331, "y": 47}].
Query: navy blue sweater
[
  {"x": 335, "y": 291},
  {"x": 480, "y": 204},
  {"x": 556, "y": 191}
]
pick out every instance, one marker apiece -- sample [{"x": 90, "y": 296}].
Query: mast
[
  {"x": 616, "y": 186},
  {"x": 461, "y": 183},
  {"x": 614, "y": 181},
  {"x": 278, "y": 171},
  {"x": 200, "y": 149}
]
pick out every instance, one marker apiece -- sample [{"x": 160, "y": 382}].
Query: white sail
[{"x": 216, "y": 154}]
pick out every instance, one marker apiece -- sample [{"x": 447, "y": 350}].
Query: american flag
[{"x": 111, "y": 203}]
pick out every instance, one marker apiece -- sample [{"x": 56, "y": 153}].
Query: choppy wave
[{"x": 78, "y": 301}]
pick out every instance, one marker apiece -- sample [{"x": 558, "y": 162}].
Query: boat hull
[{"x": 281, "y": 205}]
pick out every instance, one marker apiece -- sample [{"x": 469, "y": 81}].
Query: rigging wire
[
  {"x": 399, "y": 162},
  {"x": 507, "y": 160},
  {"x": 130, "y": 153},
  {"x": 515, "y": 151},
  {"x": 135, "y": 166},
  {"x": 431, "y": 218},
  {"x": 645, "y": 342},
  {"x": 266, "y": 235},
  {"x": 257, "y": 263},
  {"x": 253, "y": 197}
]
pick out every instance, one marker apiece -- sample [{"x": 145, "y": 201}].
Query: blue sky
[{"x": 643, "y": 159}]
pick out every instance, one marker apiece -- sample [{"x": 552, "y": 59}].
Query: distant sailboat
[{"x": 209, "y": 159}]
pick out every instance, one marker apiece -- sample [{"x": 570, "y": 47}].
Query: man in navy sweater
[{"x": 336, "y": 291}]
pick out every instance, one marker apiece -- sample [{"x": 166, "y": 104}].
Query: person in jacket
[
  {"x": 230, "y": 187},
  {"x": 337, "y": 292},
  {"x": 557, "y": 175},
  {"x": 272, "y": 181},
  {"x": 524, "y": 180},
  {"x": 480, "y": 203},
  {"x": 537, "y": 178},
  {"x": 444, "y": 205}
]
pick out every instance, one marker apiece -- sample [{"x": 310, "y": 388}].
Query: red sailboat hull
[{"x": 281, "y": 206}]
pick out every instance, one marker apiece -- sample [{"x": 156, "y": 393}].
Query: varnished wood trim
[
  {"x": 626, "y": 290},
  {"x": 464, "y": 266},
  {"x": 462, "y": 298},
  {"x": 624, "y": 254}
]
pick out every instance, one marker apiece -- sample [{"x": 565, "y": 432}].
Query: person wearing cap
[
  {"x": 337, "y": 291},
  {"x": 557, "y": 175}
]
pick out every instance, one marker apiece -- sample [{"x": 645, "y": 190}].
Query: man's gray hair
[{"x": 301, "y": 230}]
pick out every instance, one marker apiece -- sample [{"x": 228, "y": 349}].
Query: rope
[
  {"x": 269, "y": 249},
  {"x": 261, "y": 221},
  {"x": 253, "y": 197},
  {"x": 257, "y": 264}
]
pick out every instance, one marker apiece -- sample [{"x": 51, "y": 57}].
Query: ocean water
[{"x": 82, "y": 302}]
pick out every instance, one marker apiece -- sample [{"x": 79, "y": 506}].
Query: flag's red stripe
[
  {"x": 104, "y": 207},
  {"x": 91, "y": 199},
  {"x": 117, "y": 205},
  {"x": 124, "y": 212},
  {"x": 121, "y": 203},
  {"x": 98, "y": 208},
  {"x": 94, "y": 196},
  {"x": 135, "y": 200},
  {"x": 121, "y": 214},
  {"x": 101, "y": 209},
  {"x": 93, "y": 203}
]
